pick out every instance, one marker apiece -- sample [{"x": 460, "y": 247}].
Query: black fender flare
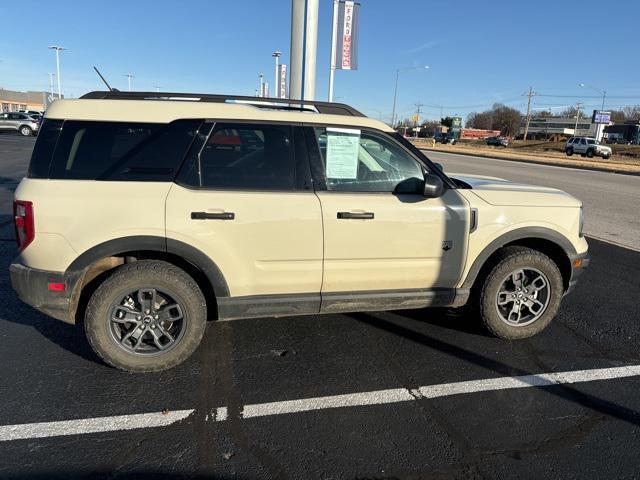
[
  {"x": 119, "y": 246},
  {"x": 511, "y": 236}
]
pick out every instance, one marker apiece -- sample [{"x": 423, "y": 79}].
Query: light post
[
  {"x": 261, "y": 85},
  {"x": 603, "y": 92},
  {"x": 58, "y": 48},
  {"x": 276, "y": 85},
  {"x": 129, "y": 78},
  {"x": 51, "y": 75},
  {"x": 395, "y": 91}
]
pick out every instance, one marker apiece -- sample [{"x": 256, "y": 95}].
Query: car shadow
[{"x": 563, "y": 391}]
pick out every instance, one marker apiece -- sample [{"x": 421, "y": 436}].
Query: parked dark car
[
  {"x": 446, "y": 138},
  {"x": 498, "y": 141}
]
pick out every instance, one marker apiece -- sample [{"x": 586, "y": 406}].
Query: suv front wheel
[
  {"x": 147, "y": 316},
  {"x": 521, "y": 294}
]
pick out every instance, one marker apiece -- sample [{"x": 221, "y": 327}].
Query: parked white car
[{"x": 587, "y": 147}]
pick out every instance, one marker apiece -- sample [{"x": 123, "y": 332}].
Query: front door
[
  {"x": 244, "y": 199},
  {"x": 381, "y": 234}
]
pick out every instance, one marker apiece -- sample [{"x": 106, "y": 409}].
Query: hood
[{"x": 498, "y": 191}]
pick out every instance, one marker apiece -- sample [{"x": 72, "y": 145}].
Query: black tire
[
  {"x": 146, "y": 274},
  {"x": 606, "y": 157},
  {"x": 512, "y": 259},
  {"x": 25, "y": 131},
  {"x": 569, "y": 151},
  {"x": 590, "y": 153}
]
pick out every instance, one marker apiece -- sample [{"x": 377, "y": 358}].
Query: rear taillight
[{"x": 23, "y": 220}]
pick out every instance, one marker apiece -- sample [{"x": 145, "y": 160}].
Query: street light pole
[
  {"x": 51, "y": 75},
  {"x": 261, "y": 85},
  {"x": 58, "y": 48},
  {"x": 276, "y": 85},
  {"x": 129, "y": 77},
  {"x": 395, "y": 91},
  {"x": 334, "y": 45},
  {"x": 604, "y": 96}
]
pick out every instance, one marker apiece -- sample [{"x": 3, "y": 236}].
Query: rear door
[{"x": 244, "y": 198}]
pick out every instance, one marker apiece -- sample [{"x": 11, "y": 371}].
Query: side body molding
[
  {"x": 139, "y": 243},
  {"x": 512, "y": 236}
]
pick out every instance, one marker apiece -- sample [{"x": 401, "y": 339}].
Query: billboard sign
[
  {"x": 601, "y": 116},
  {"x": 346, "y": 53}
]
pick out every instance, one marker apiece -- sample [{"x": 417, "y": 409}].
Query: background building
[
  {"x": 546, "y": 127},
  {"x": 12, "y": 101}
]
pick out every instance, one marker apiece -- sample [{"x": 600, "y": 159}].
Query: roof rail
[{"x": 260, "y": 102}]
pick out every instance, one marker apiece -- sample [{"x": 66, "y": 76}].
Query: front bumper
[
  {"x": 579, "y": 263},
  {"x": 32, "y": 287}
]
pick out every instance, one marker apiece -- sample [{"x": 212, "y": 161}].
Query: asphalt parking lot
[{"x": 393, "y": 395}]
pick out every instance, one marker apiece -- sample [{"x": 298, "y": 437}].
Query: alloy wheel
[
  {"x": 147, "y": 322},
  {"x": 523, "y": 297}
]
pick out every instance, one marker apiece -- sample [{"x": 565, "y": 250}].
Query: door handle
[
  {"x": 356, "y": 215},
  {"x": 212, "y": 216}
]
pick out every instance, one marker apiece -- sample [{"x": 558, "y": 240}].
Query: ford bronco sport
[{"x": 143, "y": 215}]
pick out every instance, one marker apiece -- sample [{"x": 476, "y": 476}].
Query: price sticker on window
[{"x": 343, "y": 145}]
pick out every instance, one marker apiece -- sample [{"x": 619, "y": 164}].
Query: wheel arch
[
  {"x": 553, "y": 244},
  {"x": 91, "y": 267}
]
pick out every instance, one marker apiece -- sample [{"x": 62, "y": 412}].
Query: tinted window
[
  {"x": 44, "y": 148},
  {"x": 121, "y": 151},
  {"x": 367, "y": 162},
  {"x": 247, "y": 157},
  {"x": 582, "y": 142}
]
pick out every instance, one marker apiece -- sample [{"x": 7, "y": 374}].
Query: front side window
[
  {"x": 244, "y": 157},
  {"x": 363, "y": 161}
]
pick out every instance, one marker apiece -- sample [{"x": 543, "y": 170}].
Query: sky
[{"x": 479, "y": 52}]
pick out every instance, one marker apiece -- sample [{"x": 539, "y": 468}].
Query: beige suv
[{"x": 143, "y": 215}]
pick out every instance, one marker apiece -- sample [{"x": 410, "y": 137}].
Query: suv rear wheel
[
  {"x": 521, "y": 294},
  {"x": 26, "y": 131},
  {"x": 590, "y": 153},
  {"x": 569, "y": 151},
  {"x": 146, "y": 317}
]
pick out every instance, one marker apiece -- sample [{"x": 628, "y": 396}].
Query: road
[
  {"x": 610, "y": 200},
  {"x": 392, "y": 395}
]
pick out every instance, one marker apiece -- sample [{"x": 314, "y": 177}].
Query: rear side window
[
  {"x": 244, "y": 157},
  {"x": 44, "y": 148},
  {"x": 116, "y": 150}
]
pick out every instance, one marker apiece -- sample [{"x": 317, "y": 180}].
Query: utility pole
[
  {"x": 417, "y": 117},
  {"x": 129, "y": 77},
  {"x": 528, "y": 119},
  {"x": 575, "y": 130},
  {"x": 157, "y": 87}
]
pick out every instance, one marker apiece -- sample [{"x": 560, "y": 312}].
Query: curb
[{"x": 536, "y": 162}]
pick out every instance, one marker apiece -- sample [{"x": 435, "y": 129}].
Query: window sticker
[{"x": 343, "y": 145}]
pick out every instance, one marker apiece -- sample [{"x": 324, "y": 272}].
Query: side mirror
[
  {"x": 439, "y": 166},
  {"x": 433, "y": 186}
]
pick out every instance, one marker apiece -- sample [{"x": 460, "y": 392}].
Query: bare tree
[
  {"x": 632, "y": 112},
  {"x": 506, "y": 119},
  {"x": 481, "y": 120}
]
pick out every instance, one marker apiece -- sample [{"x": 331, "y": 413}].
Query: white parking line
[
  {"x": 91, "y": 425},
  {"x": 378, "y": 397}
]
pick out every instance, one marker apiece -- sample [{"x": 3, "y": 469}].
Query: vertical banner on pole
[
  {"x": 281, "y": 89},
  {"x": 346, "y": 53}
]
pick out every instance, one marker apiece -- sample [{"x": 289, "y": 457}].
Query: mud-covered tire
[
  {"x": 511, "y": 259},
  {"x": 145, "y": 274}
]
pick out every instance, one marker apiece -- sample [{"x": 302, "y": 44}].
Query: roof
[{"x": 166, "y": 109}]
